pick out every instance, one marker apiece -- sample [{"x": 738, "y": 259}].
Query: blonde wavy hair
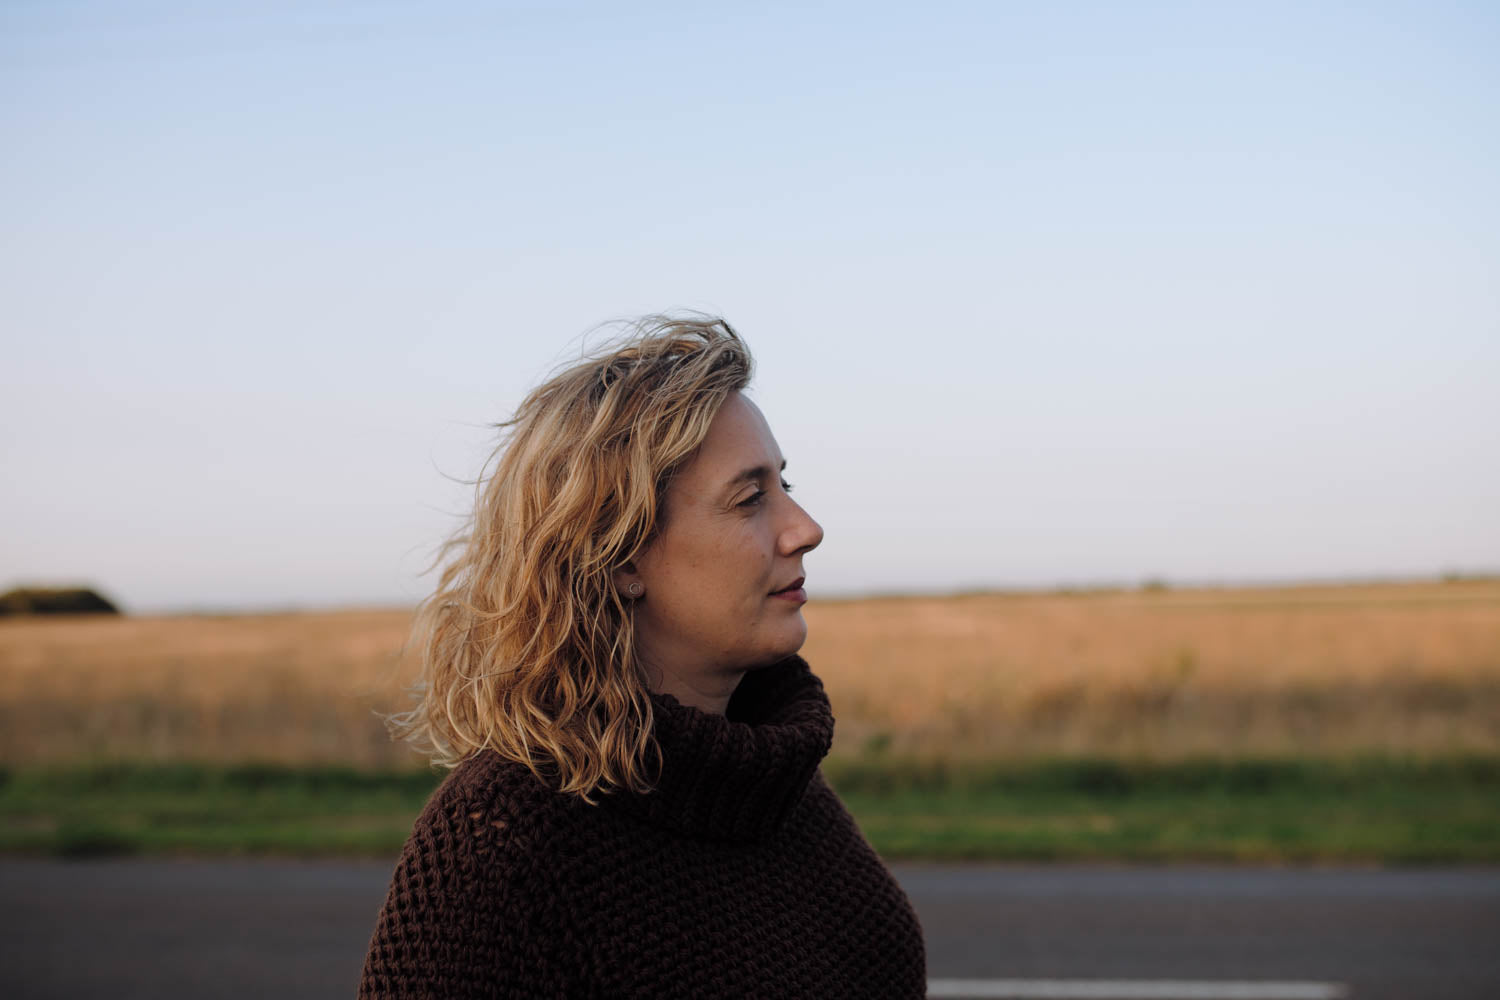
[{"x": 526, "y": 647}]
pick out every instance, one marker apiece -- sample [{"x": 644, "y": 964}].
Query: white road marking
[{"x": 1130, "y": 989}]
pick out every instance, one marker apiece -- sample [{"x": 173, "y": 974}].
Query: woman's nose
[{"x": 803, "y": 534}]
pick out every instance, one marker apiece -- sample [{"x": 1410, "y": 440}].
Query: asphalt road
[{"x": 286, "y": 929}]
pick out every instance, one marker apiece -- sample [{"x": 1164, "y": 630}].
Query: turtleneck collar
[{"x": 737, "y": 776}]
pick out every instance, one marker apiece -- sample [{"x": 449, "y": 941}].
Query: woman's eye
[{"x": 755, "y": 498}]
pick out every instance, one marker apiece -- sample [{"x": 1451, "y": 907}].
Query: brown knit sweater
[{"x": 741, "y": 875}]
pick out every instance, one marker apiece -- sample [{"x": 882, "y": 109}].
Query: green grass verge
[
  {"x": 1380, "y": 810},
  {"x": 1374, "y": 810}
]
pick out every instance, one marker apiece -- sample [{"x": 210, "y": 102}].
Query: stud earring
[{"x": 634, "y": 590}]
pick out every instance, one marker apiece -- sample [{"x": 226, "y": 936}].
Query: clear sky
[{"x": 1039, "y": 293}]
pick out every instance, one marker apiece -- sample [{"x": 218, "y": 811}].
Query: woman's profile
[{"x": 610, "y": 668}]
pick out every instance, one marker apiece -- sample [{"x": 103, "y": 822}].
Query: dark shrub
[{"x": 55, "y": 601}]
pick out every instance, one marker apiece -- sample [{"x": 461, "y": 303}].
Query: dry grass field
[{"x": 1155, "y": 674}]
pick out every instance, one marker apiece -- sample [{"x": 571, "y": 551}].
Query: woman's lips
[{"x": 795, "y": 592}]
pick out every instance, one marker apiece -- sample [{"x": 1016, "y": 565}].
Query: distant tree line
[{"x": 55, "y": 601}]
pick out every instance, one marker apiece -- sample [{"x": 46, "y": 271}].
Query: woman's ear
[{"x": 627, "y": 580}]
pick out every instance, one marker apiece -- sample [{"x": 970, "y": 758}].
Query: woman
[{"x": 610, "y": 668}]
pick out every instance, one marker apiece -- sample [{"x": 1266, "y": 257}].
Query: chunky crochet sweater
[{"x": 741, "y": 875}]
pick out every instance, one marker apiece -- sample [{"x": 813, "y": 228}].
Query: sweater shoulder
[
  {"x": 472, "y": 908},
  {"x": 489, "y": 809},
  {"x": 489, "y": 780}
]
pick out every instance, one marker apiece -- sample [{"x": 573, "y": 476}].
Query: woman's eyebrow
[{"x": 754, "y": 474}]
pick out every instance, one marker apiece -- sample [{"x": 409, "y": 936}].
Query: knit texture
[{"x": 741, "y": 875}]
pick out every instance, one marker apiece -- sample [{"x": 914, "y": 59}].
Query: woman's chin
[{"x": 791, "y": 642}]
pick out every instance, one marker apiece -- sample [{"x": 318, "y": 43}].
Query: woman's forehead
[
  {"x": 738, "y": 447},
  {"x": 738, "y": 439}
]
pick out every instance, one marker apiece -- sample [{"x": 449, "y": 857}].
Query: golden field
[{"x": 1161, "y": 674}]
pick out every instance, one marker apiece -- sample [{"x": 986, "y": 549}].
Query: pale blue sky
[{"x": 1039, "y": 293}]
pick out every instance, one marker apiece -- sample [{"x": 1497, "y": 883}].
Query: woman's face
[{"x": 722, "y": 579}]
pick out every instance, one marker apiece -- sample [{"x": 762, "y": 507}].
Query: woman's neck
[{"x": 707, "y": 691}]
